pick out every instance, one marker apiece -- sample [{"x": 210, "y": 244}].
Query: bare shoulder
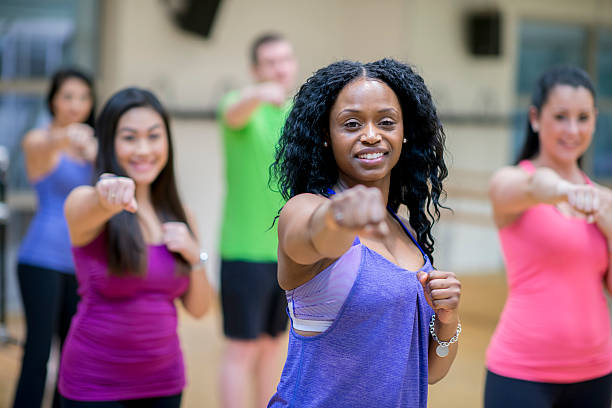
[
  {"x": 34, "y": 138},
  {"x": 506, "y": 177},
  {"x": 301, "y": 204}
]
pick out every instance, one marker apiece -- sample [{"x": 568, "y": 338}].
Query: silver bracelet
[{"x": 442, "y": 348}]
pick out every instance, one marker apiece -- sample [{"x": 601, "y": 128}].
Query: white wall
[{"x": 142, "y": 46}]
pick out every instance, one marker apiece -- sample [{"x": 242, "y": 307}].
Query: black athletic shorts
[
  {"x": 505, "y": 392},
  {"x": 252, "y": 301}
]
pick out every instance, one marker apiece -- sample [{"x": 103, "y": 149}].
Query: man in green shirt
[{"x": 254, "y": 306}]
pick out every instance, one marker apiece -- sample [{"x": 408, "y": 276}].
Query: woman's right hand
[
  {"x": 583, "y": 198},
  {"x": 360, "y": 209},
  {"x": 116, "y": 193}
]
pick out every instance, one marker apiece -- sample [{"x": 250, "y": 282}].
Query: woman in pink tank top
[
  {"x": 135, "y": 251},
  {"x": 552, "y": 346}
]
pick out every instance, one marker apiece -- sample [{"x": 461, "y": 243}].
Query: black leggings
[
  {"x": 49, "y": 301},
  {"x": 173, "y": 401},
  {"x": 504, "y": 392}
]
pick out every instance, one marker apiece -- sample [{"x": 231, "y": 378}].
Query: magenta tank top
[
  {"x": 123, "y": 341},
  {"x": 555, "y": 326}
]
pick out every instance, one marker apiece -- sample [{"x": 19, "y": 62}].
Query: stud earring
[
  {"x": 325, "y": 144},
  {"x": 405, "y": 140}
]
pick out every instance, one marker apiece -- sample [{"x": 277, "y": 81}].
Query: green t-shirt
[{"x": 250, "y": 204}]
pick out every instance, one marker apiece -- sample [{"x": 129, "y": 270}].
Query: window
[
  {"x": 36, "y": 38},
  {"x": 543, "y": 45}
]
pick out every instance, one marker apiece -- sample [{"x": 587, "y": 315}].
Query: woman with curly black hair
[{"x": 363, "y": 297}]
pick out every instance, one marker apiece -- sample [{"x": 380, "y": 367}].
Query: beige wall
[{"x": 141, "y": 46}]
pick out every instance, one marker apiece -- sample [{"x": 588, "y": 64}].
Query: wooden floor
[{"x": 481, "y": 304}]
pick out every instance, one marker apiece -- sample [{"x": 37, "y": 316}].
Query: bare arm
[
  {"x": 239, "y": 113},
  {"x": 197, "y": 298},
  {"x": 312, "y": 228},
  {"x": 442, "y": 291},
  {"x": 512, "y": 190},
  {"x": 88, "y": 208},
  {"x": 42, "y": 146}
]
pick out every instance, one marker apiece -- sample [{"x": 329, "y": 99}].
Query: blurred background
[{"x": 479, "y": 58}]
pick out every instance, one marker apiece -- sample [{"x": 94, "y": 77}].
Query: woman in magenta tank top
[
  {"x": 361, "y": 140},
  {"x": 552, "y": 346},
  {"x": 136, "y": 251},
  {"x": 58, "y": 158}
]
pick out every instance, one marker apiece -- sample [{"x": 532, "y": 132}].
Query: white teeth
[{"x": 371, "y": 156}]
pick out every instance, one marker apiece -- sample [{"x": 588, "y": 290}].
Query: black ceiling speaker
[
  {"x": 195, "y": 16},
  {"x": 484, "y": 33}
]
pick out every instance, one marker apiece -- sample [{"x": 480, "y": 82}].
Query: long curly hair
[{"x": 303, "y": 165}]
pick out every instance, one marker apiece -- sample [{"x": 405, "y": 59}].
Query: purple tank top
[
  {"x": 47, "y": 244},
  {"x": 375, "y": 353},
  {"x": 123, "y": 341}
]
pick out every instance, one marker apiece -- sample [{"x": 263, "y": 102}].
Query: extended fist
[
  {"x": 116, "y": 193},
  {"x": 81, "y": 137},
  {"x": 582, "y": 197},
  {"x": 272, "y": 92},
  {"x": 361, "y": 209},
  {"x": 442, "y": 291}
]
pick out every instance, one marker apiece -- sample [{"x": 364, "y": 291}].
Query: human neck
[{"x": 143, "y": 194}]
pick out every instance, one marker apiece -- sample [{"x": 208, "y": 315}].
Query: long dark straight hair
[
  {"x": 126, "y": 249},
  {"x": 58, "y": 80},
  {"x": 561, "y": 75}
]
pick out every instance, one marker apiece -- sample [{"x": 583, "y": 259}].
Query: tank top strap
[{"x": 407, "y": 231}]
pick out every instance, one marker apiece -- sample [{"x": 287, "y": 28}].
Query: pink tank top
[{"x": 555, "y": 326}]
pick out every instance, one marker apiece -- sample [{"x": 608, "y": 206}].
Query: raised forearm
[{"x": 239, "y": 113}]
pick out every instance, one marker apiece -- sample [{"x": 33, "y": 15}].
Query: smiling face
[
  {"x": 73, "y": 102},
  {"x": 565, "y": 123},
  {"x": 141, "y": 144},
  {"x": 366, "y": 132}
]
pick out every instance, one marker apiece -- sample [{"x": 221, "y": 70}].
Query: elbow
[{"x": 199, "y": 311}]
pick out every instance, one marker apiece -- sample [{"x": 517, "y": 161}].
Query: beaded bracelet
[{"x": 442, "y": 348}]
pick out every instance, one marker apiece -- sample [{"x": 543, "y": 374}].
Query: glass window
[
  {"x": 37, "y": 37},
  {"x": 543, "y": 45}
]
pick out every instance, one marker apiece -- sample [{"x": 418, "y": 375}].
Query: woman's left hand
[
  {"x": 442, "y": 291},
  {"x": 179, "y": 239}
]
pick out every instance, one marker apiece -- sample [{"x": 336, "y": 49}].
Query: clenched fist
[{"x": 116, "y": 193}]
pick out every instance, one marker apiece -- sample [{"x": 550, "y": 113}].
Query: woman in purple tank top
[
  {"x": 136, "y": 251},
  {"x": 361, "y": 140},
  {"x": 58, "y": 158}
]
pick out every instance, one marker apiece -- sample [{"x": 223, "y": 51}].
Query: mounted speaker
[
  {"x": 483, "y": 31},
  {"x": 195, "y": 16}
]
